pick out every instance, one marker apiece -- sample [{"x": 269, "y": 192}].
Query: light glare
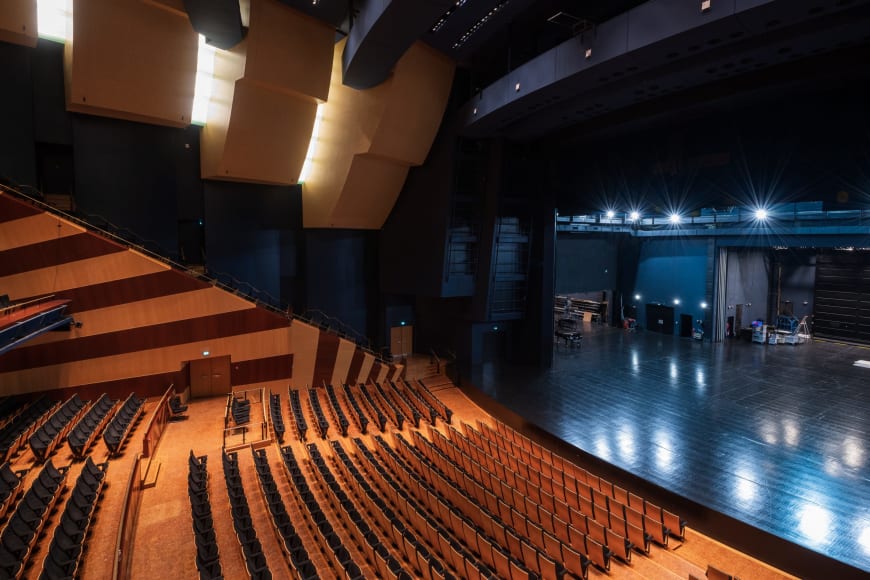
[
  {"x": 674, "y": 218},
  {"x": 54, "y": 19},
  {"x": 761, "y": 214},
  {"x": 204, "y": 82},
  {"x": 634, "y": 216}
]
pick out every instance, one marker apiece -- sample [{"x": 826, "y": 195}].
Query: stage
[{"x": 762, "y": 446}]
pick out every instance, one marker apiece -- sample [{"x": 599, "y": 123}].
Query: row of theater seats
[
  {"x": 418, "y": 511},
  {"x": 319, "y": 417},
  {"x": 11, "y": 487},
  {"x": 119, "y": 427},
  {"x": 385, "y": 520},
  {"x": 341, "y": 558},
  {"x": 240, "y": 409},
  {"x": 65, "y": 550},
  {"x": 361, "y": 420},
  {"x": 291, "y": 543},
  {"x": 339, "y": 415},
  {"x": 51, "y": 433},
  {"x": 85, "y": 432},
  {"x": 255, "y": 560},
  {"x": 19, "y": 430},
  {"x": 414, "y": 397},
  {"x": 298, "y": 414},
  {"x": 373, "y": 408},
  {"x": 394, "y": 411},
  {"x": 277, "y": 417},
  {"x": 401, "y": 400},
  {"x": 207, "y": 554},
  {"x": 443, "y": 410},
  {"x": 606, "y": 497},
  {"x": 511, "y": 519},
  {"x": 30, "y": 515}
]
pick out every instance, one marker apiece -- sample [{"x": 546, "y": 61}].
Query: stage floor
[{"x": 775, "y": 436}]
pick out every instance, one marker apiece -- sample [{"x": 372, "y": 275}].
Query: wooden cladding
[
  {"x": 356, "y": 364},
  {"x": 54, "y": 252},
  {"x": 138, "y": 339},
  {"x": 324, "y": 360},
  {"x": 12, "y": 209},
  {"x": 127, "y": 290},
  {"x": 262, "y": 370}
]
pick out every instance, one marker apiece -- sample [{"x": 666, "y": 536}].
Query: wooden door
[
  {"x": 401, "y": 340},
  {"x": 210, "y": 376}
]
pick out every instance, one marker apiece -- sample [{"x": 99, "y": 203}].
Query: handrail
[
  {"x": 13, "y": 307},
  {"x": 255, "y": 295},
  {"x": 129, "y": 513},
  {"x": 161, "y": 416}
]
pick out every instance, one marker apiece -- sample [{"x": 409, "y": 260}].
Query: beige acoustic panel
[
  {"x": 368, "y": 195},
  {"x": 131, "y": 60},
  {"x": 35, "y": 229},
  {"x": 414, "y": 105},
  {"x": 304, "y": 348},
  {"x": 267, "y": 136},
  {"x": 343, "y": 359},
  {"x": 369, "y": 138},
  {"x": 18, "y": 22},
  {"x": 229, "y": 67},
  {"x": 289, "y": 51},
  {"x": 368, "y": 362}
]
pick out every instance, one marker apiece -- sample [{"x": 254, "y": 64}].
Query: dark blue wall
[
  {"x": 341, "y": 276},
  {"x": 585, "y": 263},
  {"x": 672, "y": 268},
  {"x": 17, "y": 150},
  {"x": 253, "y": 234}
]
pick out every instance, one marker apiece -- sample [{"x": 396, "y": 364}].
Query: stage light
[
  {"x": 676, "y": 301},
  {"x": 761, "y": 214},
  {"x": 637, "y": 296},
  {"x": 674, "y": 218},
  {"x": 610, "y": 214},
  {"x": 634, "y": 216},
  {"x": 704, "y": 305}
]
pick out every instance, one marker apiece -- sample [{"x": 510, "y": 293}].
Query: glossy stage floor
[{"x": 766, "y": 447}]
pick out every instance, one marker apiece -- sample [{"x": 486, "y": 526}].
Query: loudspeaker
[{"x": 220, "y": 21}]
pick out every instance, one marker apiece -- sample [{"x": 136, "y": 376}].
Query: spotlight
[
  {"x": 676, "y": 301},
  {"x": 704, "y": 305},
  {"x": 634, "y": 216},
  {"x": 610, "y": 214},
  {"x": 637, "y": 296},
  {"x": 674, "y": 218},
  {"x": 761, "y": 214}
]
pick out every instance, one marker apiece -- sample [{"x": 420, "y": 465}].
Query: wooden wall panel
[
  {"x": 383, "y": 373},
  {"x": 374, "y": 372},
  {"x": 77, "y": 274},
  {"x": 343, "y": 358},
  {"x": 115, "y": 292},
  {"x": 208, "y": 301},
  {"x": 145, "y": 386},
  {"x": 261, "y": 370},
  {"x": 131, "y": 60},
  {"x": 33, "y": 230},
  {"x": 324, "y": 362},
  {"x": 288, "y": 50},
  {"x": 353, "y": 371},
  {"x": 366, "y": 367},
  {"x": 369, "y": 193},
  {"x": 304, "y": 348},
  {"x": 18, "y": 22},
  {"x": 229, "y": 66},
  {"x": 13, "y": 209},
  {"x": 414, "y": 105},
  {"x": 241, "y": 347},
  {"x": 267, "y": 136},
  {"x": 55, "y": 252},
  {"x": 196, "y": 330},
  {"x": 369, "y": 138}
]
